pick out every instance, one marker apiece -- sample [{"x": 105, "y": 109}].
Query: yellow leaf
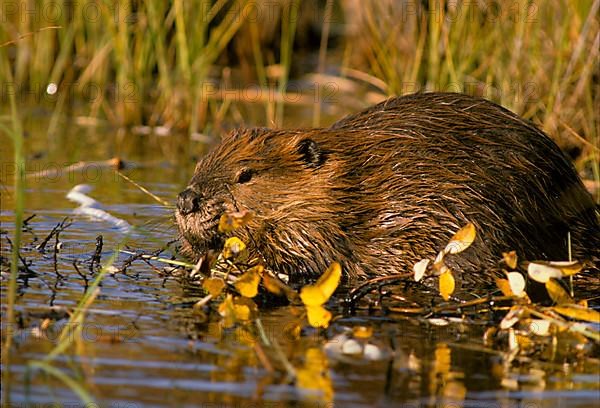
[
  {"x": 213, "y": 286},
  {"x": 517, "y": 283},
  {"x": 442, "y": 359},
  {"x": 362, "y": 332},
  {"x": 233, "y": 247},
  {"x": 247, "y": 284},
  {"x": 314, "y": 375},
  {"x": 245, "y": 336},
  {"x": 504, "y": 286},
  {"x": 557, "y": 293},
  {"x": 321, "y": 291},
  {"x": 463, "y": 238},
  {"x": 454, "y": 391},
  {"x": 419, "y": 269},
  {"x": 232, "y": 221},
  {"x": 510, "y": 258},
  {"x": 446, "y": 284},
  {"x": 245, "y": 309},
  {"x": 579, "y": 313},
  {"x": 524, "y": 342},
  {"x": 238, "y": 309},
  {"x": 318, "y": 316},
  {"x": 227, "y": 311}
]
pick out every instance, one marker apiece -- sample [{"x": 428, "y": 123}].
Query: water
[{"x": 143, "y": 344}]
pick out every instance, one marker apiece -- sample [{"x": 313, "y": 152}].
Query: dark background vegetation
[{"x": 201, "y": 67}]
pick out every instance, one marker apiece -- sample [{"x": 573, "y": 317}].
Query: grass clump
[
  {"x": 155, "y": 63},
  {"x": 536, "y": 59}
]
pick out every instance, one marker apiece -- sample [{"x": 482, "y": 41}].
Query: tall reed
[
  {"x": 15, "y": 132},
  {"x": 539, "y": 59}
]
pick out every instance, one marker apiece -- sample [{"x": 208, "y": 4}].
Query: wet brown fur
[{"x": 387, "y": 187}]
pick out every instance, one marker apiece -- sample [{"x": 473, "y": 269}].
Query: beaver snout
[{"x": 188, "y": 201}]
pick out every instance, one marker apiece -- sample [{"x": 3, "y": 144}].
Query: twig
[
  {"x": 23, "y": 36},
  {"x": 23, "y": 261},
  {"x": 362, "y": 290},
  {"x": 55, "y": 254},
  {"x": 96, "y": 257},
  {"x": 85, "y": 280},
  {"x": 145, "y": 190},
  {"x": 284, "y": 360},
  {"x": 26, "y": 220},
  {"x": 115, "y": 163},
  {"x": 262, "y": 357},
  {"x": 59, "y": 227},
  {"x": 156, "y": 258}
]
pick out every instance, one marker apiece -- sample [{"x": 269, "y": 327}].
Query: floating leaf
[
  {"x": 454, "y": 391},
  {"x": 245, "y": 309},
  {"x": 438, "y": 321},
  {"x": 233, "y": 247},
  {"x": 419, "y": 269},
  {"x": 442, "y": 360},
  {"x": 232, "y": 221},
  {"x": 352, "y": 347},
  {"x": 578, "y": 312},
  {"x": 362, "y": 332},
  {"x": 513, "y": 316},
  {"x": 557, "y": 293},
  {"x": 245, "y": 336},
  {"x": 238, "y": 309},
  {"x": 513, "y": 342},
  {"x": 517, "y": 283},
  {"x": 247, "y": 284},
  {"x": 373, "y": 353},
  {"x": 463, "y": 238},
  {"x": 540, "y": 327},
  {"x": 542, "y": 272},
  {"x": 214, "y": 286},
  {"x": 318, "y": 316},
  {"x": 447, "y": 284},
  {"x": 525, "y": 342},
  {"x": 510, "y": 258},
  {"x": 314, "y": 375},
  {"x": 321, "y": 291},
  {"x": 227, "y": 311}
]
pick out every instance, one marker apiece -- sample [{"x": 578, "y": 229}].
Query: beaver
[{"x": 384, "y": 188}]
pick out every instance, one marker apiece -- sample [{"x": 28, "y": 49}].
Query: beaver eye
[{"x": 244, "y": 176}]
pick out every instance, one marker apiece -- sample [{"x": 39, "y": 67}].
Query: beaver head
[{"x": 285, "y": 179}]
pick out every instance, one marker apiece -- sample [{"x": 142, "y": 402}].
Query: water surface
[{"x": 143, "y": 343}]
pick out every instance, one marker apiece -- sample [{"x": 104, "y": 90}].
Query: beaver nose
[{"x": 188, "y": 201}]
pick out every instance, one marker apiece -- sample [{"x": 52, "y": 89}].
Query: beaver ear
[{"x": 311, "y": 153}]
